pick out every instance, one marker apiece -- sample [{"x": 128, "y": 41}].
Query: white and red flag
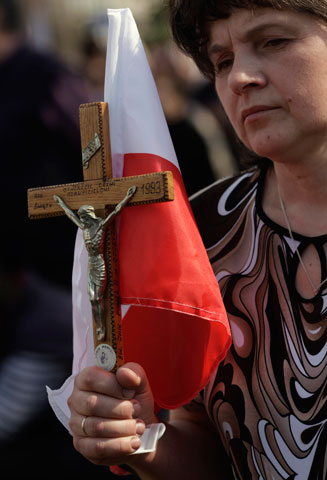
[{"x": 174, "y": 322}]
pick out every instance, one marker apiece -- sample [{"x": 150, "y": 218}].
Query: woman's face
[{"x": 271, "y": 77}]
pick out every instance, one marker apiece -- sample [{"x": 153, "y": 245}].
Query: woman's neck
[{"x": 303, "y": 190}]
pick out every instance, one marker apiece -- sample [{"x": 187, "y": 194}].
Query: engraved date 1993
[{"x": 151, "y": 188}]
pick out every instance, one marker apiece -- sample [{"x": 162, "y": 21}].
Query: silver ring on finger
[{"x": 83, "y": 426}]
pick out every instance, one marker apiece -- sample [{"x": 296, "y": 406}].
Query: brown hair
[{"x": 189, "y": 19}]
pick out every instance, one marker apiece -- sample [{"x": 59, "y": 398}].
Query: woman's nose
[{"x": 246, "y": 74}]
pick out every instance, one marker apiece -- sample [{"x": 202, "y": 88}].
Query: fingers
[
  {"x": 106, "y": 428},
  {"x": 113, "y": 409},
  {"x": 128, "y": 379},
  {"x": 98, "y": 393},
  {"x": 110, "y": 451},
  {"x": 105, "y": 441},
  {"x": 99, "y": 405},
  {"x": 98, "y": 380},
  {"x": 132, "y": 376}
]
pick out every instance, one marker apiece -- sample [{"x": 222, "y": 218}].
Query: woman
[{"x": 263, "y": 414}]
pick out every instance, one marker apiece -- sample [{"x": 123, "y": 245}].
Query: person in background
[
  {"x": 263, "y": 413},
  {"x": 198, "y": 128}
]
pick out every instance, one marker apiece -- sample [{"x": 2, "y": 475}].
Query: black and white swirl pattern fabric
[{"x": 268, "y": 398}]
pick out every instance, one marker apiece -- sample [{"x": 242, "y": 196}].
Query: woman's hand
[{"x": 116, "y": 409}]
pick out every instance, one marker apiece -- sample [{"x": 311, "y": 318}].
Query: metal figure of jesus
[{"x": 94, "y": 230}]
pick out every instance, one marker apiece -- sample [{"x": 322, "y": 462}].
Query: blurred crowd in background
[
  {"x": 76, "y": 32},
  {"x": 52, "y": 59}
]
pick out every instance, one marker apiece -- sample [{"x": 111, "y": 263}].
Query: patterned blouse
[{"x": 268, "y": 398}]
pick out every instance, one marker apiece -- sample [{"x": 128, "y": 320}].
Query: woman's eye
[
  {"x": 223, "y": 64},
  {"x": 275, "y": 42}
]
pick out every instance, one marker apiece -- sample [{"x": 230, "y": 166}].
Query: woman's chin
[{"x": 267, "y": 148}]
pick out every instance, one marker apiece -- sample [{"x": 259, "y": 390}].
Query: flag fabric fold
[{"x": 174, "y": 322}]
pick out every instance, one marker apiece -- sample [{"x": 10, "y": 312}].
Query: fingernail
[
  {"x": 136, "y": 407},
  {"x": 128, "y": 393},
  {"x": 137, "y": 377},
  {"x": 140, "y": 427},
  {"x": 135, "y": 443}
]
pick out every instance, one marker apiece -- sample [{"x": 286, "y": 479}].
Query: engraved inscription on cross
[{"x": 92, "y": 205}]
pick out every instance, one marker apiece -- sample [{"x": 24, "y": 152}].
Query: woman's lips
[{"x": 255, "y": 112}]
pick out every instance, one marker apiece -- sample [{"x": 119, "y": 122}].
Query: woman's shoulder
[
  {"x": 234, "y": 188},
  {"x": 219, "y": 206},
  {"x": 242, "y": 181}
]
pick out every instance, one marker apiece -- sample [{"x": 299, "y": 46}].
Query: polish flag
[{"x": 174, "y": 322}]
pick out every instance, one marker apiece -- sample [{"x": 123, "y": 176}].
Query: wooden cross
[{"x": 102, "y": 192}]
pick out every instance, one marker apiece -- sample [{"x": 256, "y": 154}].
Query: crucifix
[{"x": 93, "y": 205}]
